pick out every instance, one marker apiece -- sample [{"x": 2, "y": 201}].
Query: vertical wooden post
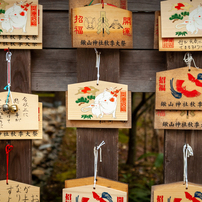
[
  {"x": 20, "y": 158},
  {"x": 175, "y": 139},
  {"x": 88, "y": 138}
]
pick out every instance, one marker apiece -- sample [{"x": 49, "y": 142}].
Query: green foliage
[
  {"x": 84, "y": 116},
  {"x": 2, "y": 11},
  {"x": 179, "y": 16},
  {"x": 91, "y": 97},
  {"x": 181, "y": 33},
  {"x": 82, "y": 100}
]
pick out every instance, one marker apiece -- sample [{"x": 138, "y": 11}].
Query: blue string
[{"x": 9, "y": 90}]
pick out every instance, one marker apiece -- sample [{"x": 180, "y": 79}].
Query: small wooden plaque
[
  {"x": 23, "y": 134},
  {"x": 106, "y": 101},
  {"x": 19, "y": 18},
  {"x": 176, "y": 192},
  {"x": 18, "y": 192},
  {"x": 97, "y": 27},
  {"x": 82, "y": 189},
  {"x": 24, "y": 39},
  {"x": 27, "y": 116},
  {"x": 179, "y": 44},
  {"x": 181, "y": 19},
  {"x": 100, "y": 124},
  {"x": 182, "y": 120},
  {"x": 179, "y": 89}
]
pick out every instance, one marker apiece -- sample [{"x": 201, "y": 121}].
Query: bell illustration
[
  {"x": 13, "y": 108},
  {"x": 5, "y": 108}
]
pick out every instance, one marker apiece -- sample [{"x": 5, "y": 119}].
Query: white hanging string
[
  {"x": 8, "y": 59},
  {"x": 97, "y": 64},
  {"x": 187, "y": 152},
  {"x": 96, "y": 160},
  {"x": 188, "y": 59}
]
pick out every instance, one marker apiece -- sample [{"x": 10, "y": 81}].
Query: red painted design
[
  {"x": 123, "y": 4},
  {"x": 190, "y": 197},
  {"x": 33, "y": 15},
  {"x": 193, "y": 79},
  {"x": 22, "y": 13},
  {"x": 177, "y": 199},
  {"x": 160, "y": 113},
  {"x": 123, "y": 101},
  {"x": 78, "y": 29},
  {"x": 119, "y": 199},
  {"x": 78, "y": 19},
  {"x": 85, "y": 199},
  {"x": 38, "y": 113},
  {"x": 179, "y": 6},
  {"x": 159, "y": 198},
  {"x": 167, "y": 43},
  {"x": 193, "y": 93},
  {"x": 68, "y": 197},
  {"x": 126, "y": 31},
  {"x": 86, "y": 89},
  {"x": 126, "y": 21},
  {"x": 162, "y": 83}
]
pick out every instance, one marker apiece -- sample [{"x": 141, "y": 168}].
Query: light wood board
[
  {"x": 182, "y": 120},
  {"x": 177, "y": 192},
  {"x": 18, "y": 192},
  {"x": 26, "y": 38},
  {"x": 23, "y": 134},
  {"x": 27, "y": 116},
  {"x": 179, "y": 44},
  {"x": 83, "y": 189},
  {"x": 15, "y": 45},
  {"x": 100, "y": 124},
  {"x": 19, "y": 18},
  {"x": 181, "y": 19},
  {"x": 106, "y": 101},
  {"x": 97, "y": 27},
  {"x": 179, "y": 89}
]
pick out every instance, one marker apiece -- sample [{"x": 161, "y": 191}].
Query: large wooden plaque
[
  {"x": 97, "y": 27},
  {"x": 82, "y": 190},
  {"x": 179, "y": 89},
  {"x": 18, "y": 192},
  {"x": 176, "y": 192},
  {"x": 100, "y": 124},
  {"x": 106, "y": 101},
  {"x": 181, "y": 18},
  {"x": 23, "y": 39},
  {"x": 19, "y": 18},
  {"x": 25, "y": 134},
  {"x": 27, "y": 116},
  {"x": 179, "y": 44}
]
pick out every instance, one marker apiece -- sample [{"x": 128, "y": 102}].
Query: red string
[
  {"x": 8, "y": 149},
  {"x": 102, "y": 2}
]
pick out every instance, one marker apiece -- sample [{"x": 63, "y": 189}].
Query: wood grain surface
[
  {"x": 88, "y": 138},
  {"x": 175, "y": 139},
  {"x": 20, "y": 158}
]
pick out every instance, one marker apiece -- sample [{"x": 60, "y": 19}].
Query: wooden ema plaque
[
  {"x": 23, "y": 134},
  {"x": 179, "y": 89},
  {"x": 176, "y": 192},
  {"x": 19, "y": 18},
  {"x": 26, "y": 38},
  {"x": 82, "y": 190},
  {"x": 27, "y": 116},
  {"x": 100, "y": 124},
  {"x": 18, "y": 192},
  {"x": 97, "y": 27},
  {"x": 106, "y": 101},
  {"x": 181, "y": 19},
  {"x": 178, "y": 99},
  {"x": 179, "y": 44}
]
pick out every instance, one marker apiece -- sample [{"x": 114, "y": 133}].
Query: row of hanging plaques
[
  {"x": 21, "y": 24},
  {"x": 180, "y": 24}
]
